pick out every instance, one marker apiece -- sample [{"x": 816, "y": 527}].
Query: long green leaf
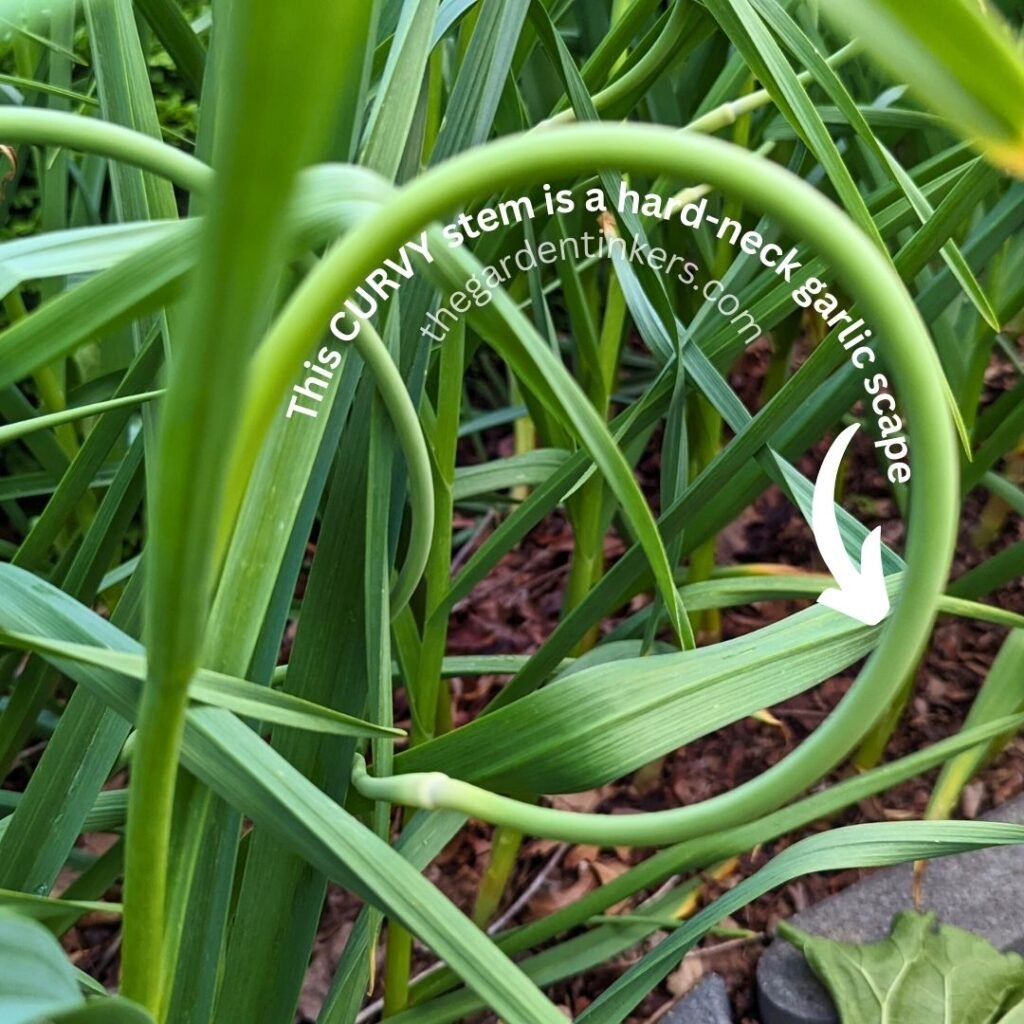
[
  {"x": 213, "y": 688},
  {"x": 241, "y": 255}
]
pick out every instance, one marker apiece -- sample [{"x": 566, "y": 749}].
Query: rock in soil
[{"x": 708, "y": 1003}]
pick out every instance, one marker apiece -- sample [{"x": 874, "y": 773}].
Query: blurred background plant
[{"x": 213, "y": 616}]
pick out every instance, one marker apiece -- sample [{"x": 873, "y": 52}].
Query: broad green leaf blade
[
  {"x": 45, "y": 908},
  {"x": 666, "y": 701},
  {"x": 394, "y": 106},
  {"x": 474, "y": 100},
  {"x": 75, "y": 251},
  {"x": 527, "y": 468},
  {"x": 105, "y": 301},
  {"x": 126, "y": 98},
  {"x": 923, "y": 970},
  {"x": 359, "y": 33},
  {"x": 182, "y": 42},
  {"x": 420, "y": 842},
  {"x": 749, "y": 34},
  {"x": 105, "y": 1010},
  {"x": 36, "y": 978}
]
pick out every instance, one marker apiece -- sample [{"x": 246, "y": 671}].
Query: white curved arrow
[{"x": 859, "y": 594}]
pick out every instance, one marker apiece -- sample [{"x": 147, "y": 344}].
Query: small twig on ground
[
  {"x": 528, "y": 893},
  {"x": 706, "y": 952}
]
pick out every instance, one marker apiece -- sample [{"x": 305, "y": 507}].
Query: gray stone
[
  {"x": 981, "y": 891},
  {"x": 708, "y": 1003}
]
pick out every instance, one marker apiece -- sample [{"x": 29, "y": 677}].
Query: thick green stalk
[
  {"x": 524, "y": 435},
  {"x": 598, "y": 359},
  {"x": 870, "y": 752},
  {"x": 242, "y": 254},
  {"x": 154, "y": 767},
  {"x": 397, "y": 968},
  {"x": 378, "y": 618},
  {"x": 805, "y": 214},
  {"x": 505, "y": 844},
  {"x": 706, "y": 435},
  {"x": 783, "y": 339}
]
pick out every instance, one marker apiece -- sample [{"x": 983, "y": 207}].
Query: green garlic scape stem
[
  {"x": 807, "y": 215},
  {"x": 694, "y": 854},
  {"x": 395, "y": 396},
  {"x": 566, "y": 152},
  {"x": 91, "y": 135},
  {"x": 728, "y": 113},
  {"x": 437, "y": 791}
]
